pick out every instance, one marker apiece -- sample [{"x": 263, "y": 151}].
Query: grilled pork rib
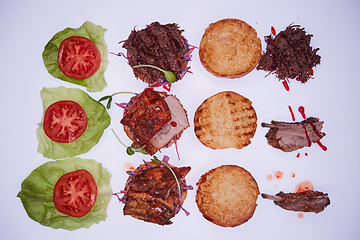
[
  {"x": 292, "y": 136},
  {"x": 308, "y": 201}
]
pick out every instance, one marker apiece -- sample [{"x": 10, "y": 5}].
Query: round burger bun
[
  {"x": 227, "y": 195},
  {"x": 230, "y": 48},
  {"x": 225, "y": 120}
]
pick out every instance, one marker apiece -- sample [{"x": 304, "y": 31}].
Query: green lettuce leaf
[
  {"x": 98, "y": 121},
  {"x": 37, "y": 191},
  {"x": 95, "y": 83}
]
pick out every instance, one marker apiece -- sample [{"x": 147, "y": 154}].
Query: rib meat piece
[
  {"x": 152, "y": 193},
  {"x": 308, "y": 201},
  {"x": 292, "y": 136}
]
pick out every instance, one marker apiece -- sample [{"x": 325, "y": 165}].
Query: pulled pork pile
[{"x": 289, "y": 55}]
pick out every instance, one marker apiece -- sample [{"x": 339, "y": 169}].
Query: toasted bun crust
[
  {"x": 227, "y": 195},
  {"x": 230, "y": 48},
  {"x": 225, "y": 120}
]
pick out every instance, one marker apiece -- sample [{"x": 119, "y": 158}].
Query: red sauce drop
[
  {"x": 286, "y": 85},
  {"x": 322, "y": 146},
  {"x": 298, "y": 155},
  {"x": 304, "y": 186},
  {"x": 173, "y": 123},
  {"x": 301, "y": 215},
  {"x": 278, "y": 174},
  {"x": 269, "y": 177},
  {"x": 167, "y": 88},
  {"x": 292, "y": 175},
  {"x": 292, "y": 113},
  {"x": 307, "y": 135},
  {"x": 302, "y": 111},
  {"x": 128, "y": 167},
  {"x": 273, "y": 31}
]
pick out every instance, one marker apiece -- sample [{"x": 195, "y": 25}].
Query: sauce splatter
[
  {"x": 128, "y": 167},
  {"x": 304, "y": 186},
  {"x": 302, "y": 111},
  {"x": 292, "y": 175},
  {"x": 167, "y": 88},
  {"x": 286, "y": 85},
  {"x": 292, "y": 113},
  {"x": 269, "y": 177},
  {"x": 278, "y": 174},
  {"x": 273, "y": 32}
]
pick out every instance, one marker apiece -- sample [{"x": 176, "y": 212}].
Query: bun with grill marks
[{"x": 225, "y": 120}]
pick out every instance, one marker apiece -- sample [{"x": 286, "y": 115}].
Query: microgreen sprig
[
  {"x": 110, "y": 97},
  {"x": 169, "y": 75},
  {"x": 132, "y": 149}
]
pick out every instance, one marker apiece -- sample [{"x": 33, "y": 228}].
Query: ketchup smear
[
  {"x": 286, "y": 85},
  {"x": 302, "y": 111},
  {"x": 304, "y": 186},
  {"x": 292, "y": 113}
]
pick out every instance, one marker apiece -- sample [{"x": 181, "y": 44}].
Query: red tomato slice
[
  {"x": 78, "y": 57},
  {"x": 75, "y": 193},
  {"x": 64, "y": 121}
]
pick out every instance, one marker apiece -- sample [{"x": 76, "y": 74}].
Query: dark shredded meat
[
  {"x": 152, "y": 193},
  {"x": 158, "y": 45},
  {"x": 292, "y": 136},
  {"x": 308, "y": 201},
  {"x": 146, "y": 116},
  {"x": 289, "y": 55}
]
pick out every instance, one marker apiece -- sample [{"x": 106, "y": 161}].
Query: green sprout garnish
[
  {"x": 169, "y": 75},
  {"x": 156, "y": 160},
  {"x": 132, "y": 149},
  {"x": 110, "y": 97}
]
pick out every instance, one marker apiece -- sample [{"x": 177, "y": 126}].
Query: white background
[{"x": 26, "y": 26}]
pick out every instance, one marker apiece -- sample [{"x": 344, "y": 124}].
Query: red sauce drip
[
  {"x": 128, "y": 167},
  {"x": 292, "y": 113},
  {"x": 173, "y": 123},
  {"x": 322, "y": 146},
  {"x": 278, "y": 174},
  {"x": 319, "y": 135},
  {"x": 304, "y": 186},
  {"x": 167, "y": 87},
  {"x": 298, "y": 155},
  {"x": 307, "y": 135},
  {"x": 286, "y": 85},
  {"x": 302, "y": 111},
  {"x": 273, "y": 32}
]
